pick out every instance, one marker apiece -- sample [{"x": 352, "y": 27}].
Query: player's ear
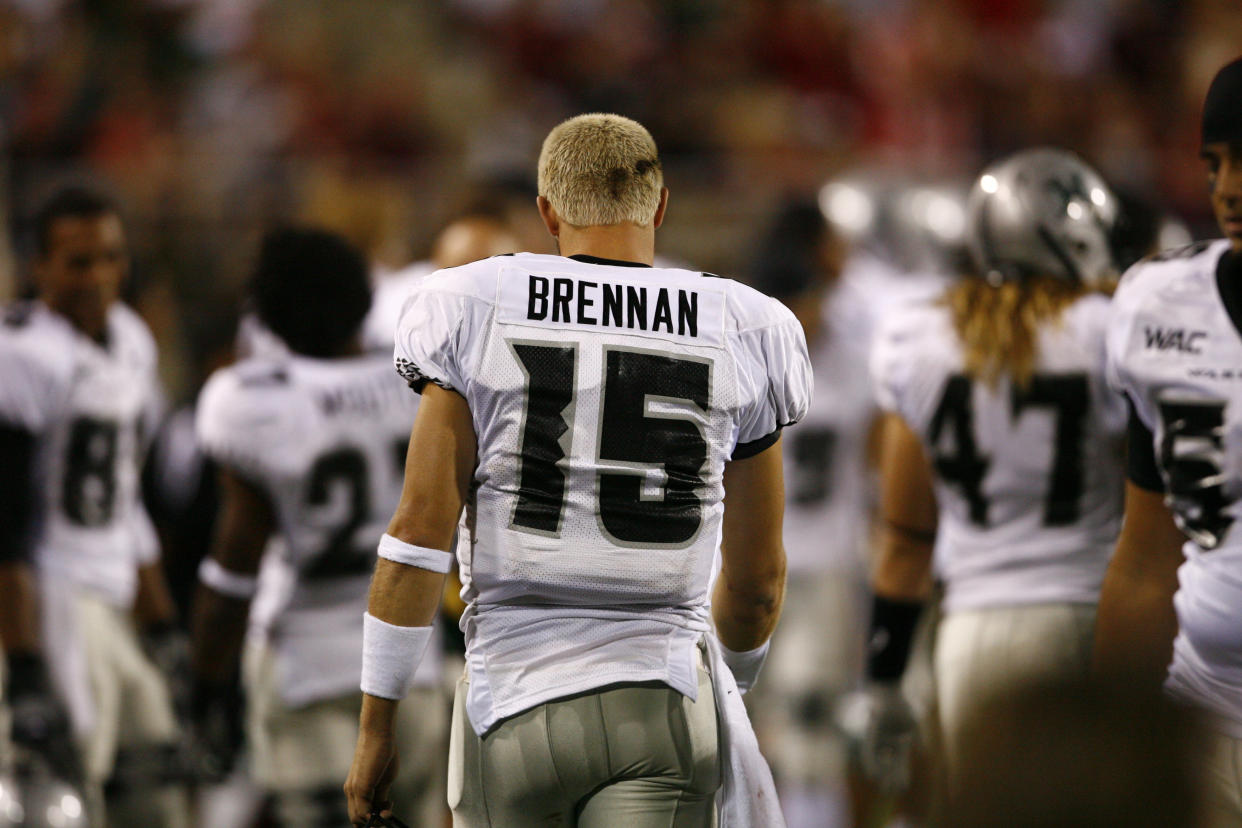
[
  {"x": 548, "y": 213},
  {"x": 659, "y": 213}
]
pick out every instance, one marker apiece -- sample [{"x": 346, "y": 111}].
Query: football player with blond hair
[
  {"x": 588, "y": 412},
  {"x": 1001, "y": 450}
]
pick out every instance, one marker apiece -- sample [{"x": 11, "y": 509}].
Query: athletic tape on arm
[
  {"x": 435, "y": 560},
  {"x": 226, "y": 582}
]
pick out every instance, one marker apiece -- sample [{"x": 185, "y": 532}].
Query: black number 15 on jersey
[{"x": 652, "y": 406}]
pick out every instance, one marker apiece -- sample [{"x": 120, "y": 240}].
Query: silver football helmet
[
  {"x": 914, "y": 223},
  {"x": 1042, "y": 212}
]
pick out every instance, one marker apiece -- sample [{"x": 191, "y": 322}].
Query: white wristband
[
  {"x": 746, "y": 665},
  {"x": 227, "y": 583},
  {"x": 436, "y": 560},
  {"x": 390, "y": 655}
]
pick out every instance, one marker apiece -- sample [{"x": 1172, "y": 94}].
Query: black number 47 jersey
[{"x": 1028, "y": 476}]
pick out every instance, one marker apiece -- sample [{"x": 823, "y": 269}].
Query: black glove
[
  {"x": 40, "y": 720},
  {"x": 168, "y": 647},
  {"x": 216, "y": 716}
]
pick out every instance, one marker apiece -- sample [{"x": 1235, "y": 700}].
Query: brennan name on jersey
[{"x": 610, "y": 305}]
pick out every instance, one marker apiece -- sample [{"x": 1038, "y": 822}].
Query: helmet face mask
[{"x": 1042, "y": 212}]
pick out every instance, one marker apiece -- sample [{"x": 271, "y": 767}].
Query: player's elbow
[{"x": 760, "y": 590}]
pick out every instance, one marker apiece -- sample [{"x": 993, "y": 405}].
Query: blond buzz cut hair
[{"x": 601, "y": 169}]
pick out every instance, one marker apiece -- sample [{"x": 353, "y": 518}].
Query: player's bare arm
[
  {"x": 908, "y": 515},
  {"x": 39, "y": 720},
  {"x": 1136, "y": 622},
  {"x": 153, "y": 604},
  {"x": 748, "y": 595},
  {"x": 219, "y": 623},
  {"x": 439, "y": 466},
  {"x": 19, "y": 616},
  {"x": 877, "y": 719}
]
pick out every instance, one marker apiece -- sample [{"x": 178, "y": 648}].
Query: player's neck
[
  {"x": 351, "y": 348},
  {"x": 622, "y": 242},
  {"x": 94, "y": 327}
]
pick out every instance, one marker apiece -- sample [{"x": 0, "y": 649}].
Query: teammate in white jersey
[
  {"x": 589, "y": 412},
  {"x": 311, "y": 443},
  {"x": 817, "y": 649},
  {"x": 78, "y": 392},
  {"x": 1001, "y": 448},
  {"x": 1174, "y": 588},
  {"x": 476, "y": 235}
]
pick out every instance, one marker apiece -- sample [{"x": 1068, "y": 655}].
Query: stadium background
[{"x": 211, "y": 120}]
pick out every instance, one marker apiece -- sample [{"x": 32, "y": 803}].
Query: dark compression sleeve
[
  {"x": 1141, "y": 465},
  {"x": 17, "y": 496}
]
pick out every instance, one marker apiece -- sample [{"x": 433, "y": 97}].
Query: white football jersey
[
  {"x": 885, "y": 290},
  {"x": 387, "y": 300},
  {"x": 606, "y": 399},
  {"x": 1028, "y": 480},
  {"x": 1177, "y": 355},
  {"x": 92, "y": 408},
  {"x": 829, "y": 491},
  {"x": 326, "y": 440}
]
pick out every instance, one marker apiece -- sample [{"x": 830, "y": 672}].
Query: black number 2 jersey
[
  {"x": 606, "y": 400},
  {"x": 325, "y": 439}
]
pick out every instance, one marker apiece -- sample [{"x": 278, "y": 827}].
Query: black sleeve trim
[
  {"x": 416, "y": 379},
  {"x": 744, "y": 450},
  {"x": 17, "y": 502},
  {"x": 1141, "y": 465}
]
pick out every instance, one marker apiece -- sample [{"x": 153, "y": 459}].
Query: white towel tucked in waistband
[{"x": 747, "y": 795}]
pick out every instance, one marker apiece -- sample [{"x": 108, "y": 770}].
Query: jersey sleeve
[
  {"x": 240, "y": 423},
  {"x": 913, "y": 355},
  {"x": 32, "y": 385},
  {"x": 427, "y": 339},
  {"x": 775, "y": 378},
  {"x": 1119, "y": 343}
]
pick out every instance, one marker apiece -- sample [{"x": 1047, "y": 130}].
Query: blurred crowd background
[{"x": 211, "y": 120}]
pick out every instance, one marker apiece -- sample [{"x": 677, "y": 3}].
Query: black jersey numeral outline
[
  {"x": 653, "y": 411},
  {"x": 346, "y": 469},
  {"x": 1192, "y": 457},
  {"x": 652, "y": 416},
  {"x": 551, "y": 381},
  {"x": 1067, "y": 395},
  {"x": 88, "y": 490},
  {"x": 963, "y": 467}
]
